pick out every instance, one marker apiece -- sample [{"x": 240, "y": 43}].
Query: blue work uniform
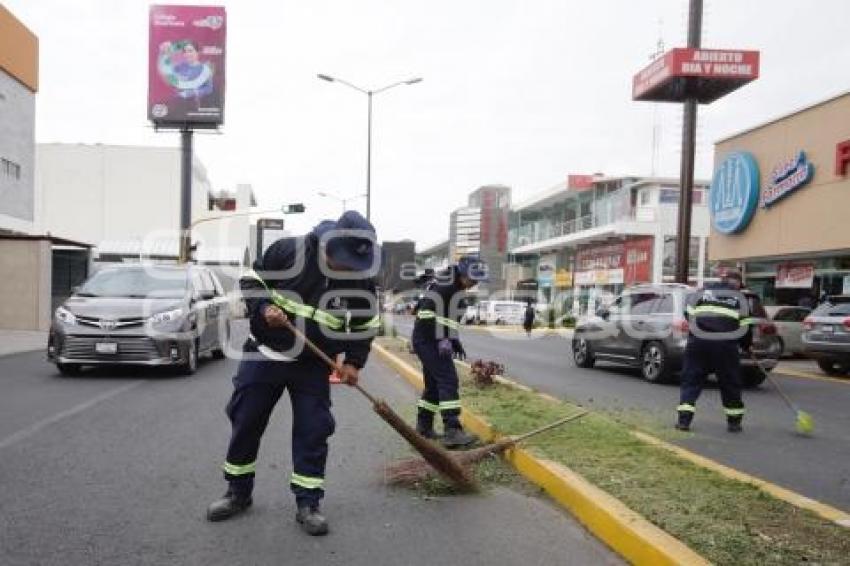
[
  {"x": 437, "y": 312},
  {"x": 719, "y": 323},
  {"x": 339, "y": 315}
]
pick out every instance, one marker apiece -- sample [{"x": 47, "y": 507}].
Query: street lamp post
[
  {"x": 369, "y": 94},
  {"x": 343, "y": 200}
]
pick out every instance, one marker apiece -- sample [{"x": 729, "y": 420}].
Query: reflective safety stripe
[
  {"x": 307, "y": 482},
  {"x": 734, "y": 412},
  {"x": 374, "y": 322},
  {"x": 237, "y": 470},
  {"x": 431, "y": 315},
  {"x": 300, "y": 309},
  {"x": 423, "y": 404},
  {"x": 686, "y": 408},
  {"x": 711, "y": 309},
  {"x": 449, "y": 405},
  {"x": 748, "y": 321}
]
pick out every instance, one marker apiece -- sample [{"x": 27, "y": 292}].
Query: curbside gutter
[{"x": 628, "y": 533}]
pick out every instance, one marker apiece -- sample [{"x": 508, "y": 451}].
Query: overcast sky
[{"x": 517, "y": 93}]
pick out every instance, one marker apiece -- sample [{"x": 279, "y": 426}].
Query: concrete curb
[{"x": 628, "y": 533}]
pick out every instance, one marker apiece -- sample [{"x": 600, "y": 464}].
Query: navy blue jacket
[
  {"x": 449, "y": 306},
  {"x": 717, "y": 308},
  {"x": 290, "y": 266}
]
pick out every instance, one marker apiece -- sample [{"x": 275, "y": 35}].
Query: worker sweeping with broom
[
  {"x": 436, "y": 343},
  {"x": 310, "y": 284}
]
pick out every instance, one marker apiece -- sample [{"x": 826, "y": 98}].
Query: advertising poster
[
  {"x": 795, "y": 275},
  {"x": 186, "y": 66}
]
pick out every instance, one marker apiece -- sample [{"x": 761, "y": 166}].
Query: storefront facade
[{"x": 780, "y": 204}]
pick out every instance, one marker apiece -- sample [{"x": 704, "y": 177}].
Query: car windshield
[
  {"x": 136, "y": 283},
  {"x": 833, "y": 309}
]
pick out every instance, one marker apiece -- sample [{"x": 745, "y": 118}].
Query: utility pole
[
  {"x": 689, "y": 124},
  {"x": 185, "y": 193}
]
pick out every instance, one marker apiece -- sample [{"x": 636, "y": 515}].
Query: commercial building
[
  {"x": 595, "y": 234},
  {"x": 18, "y": 87},
  {"x": 780, "y": 198},
  {"x": 481, "y": 228},
  {"x": 398, "y": 267}
]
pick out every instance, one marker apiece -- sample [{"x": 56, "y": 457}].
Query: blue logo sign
[
  {"x": 734, "y": 194},
  {"x": 786, "y": 178}
]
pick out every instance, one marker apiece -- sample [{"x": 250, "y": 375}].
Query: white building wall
[{"x": 97, "y": 193}]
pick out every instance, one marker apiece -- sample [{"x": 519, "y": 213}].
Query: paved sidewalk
[{"x": 16, "y": 341}]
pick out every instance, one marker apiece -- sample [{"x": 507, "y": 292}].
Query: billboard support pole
[
  {"x": 185, "y": 193},
  {"x": 686, "y": 182}
]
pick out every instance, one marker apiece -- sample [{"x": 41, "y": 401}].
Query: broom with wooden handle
[
  {"x": 415, "y": 470},
  {"x": 432, "y": 453}
]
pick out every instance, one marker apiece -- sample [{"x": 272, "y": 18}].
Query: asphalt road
[
  {"x": 818, "y": 467},
  {"x": 117, "y": 467}
]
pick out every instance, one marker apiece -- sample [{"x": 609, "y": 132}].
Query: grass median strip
[{"x": 726, "y": 521}]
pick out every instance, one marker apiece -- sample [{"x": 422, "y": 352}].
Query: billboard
[
  {"x": 186, "y": 66},
  {"x": 715, "y": 73}
]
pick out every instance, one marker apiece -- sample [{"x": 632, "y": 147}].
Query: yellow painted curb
[
  {"x": 791, "y": 372},
  {"x": 628, "y": 533},
  {"x": 822, "y": 509}
]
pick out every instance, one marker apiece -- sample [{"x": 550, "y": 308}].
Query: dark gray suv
[
  {"x": 151, "y": 315},
  {"x": 645, "y": 328},
  {"x": 826, "y": 335}
]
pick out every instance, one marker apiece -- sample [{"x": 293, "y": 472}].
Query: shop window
[{"x": 645, "y": 197}]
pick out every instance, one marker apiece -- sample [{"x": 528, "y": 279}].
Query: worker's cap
[
  {"x": 350, "y": 242},
  {"x": 473, "y": 267}
]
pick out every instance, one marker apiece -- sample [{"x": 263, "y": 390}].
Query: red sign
[
  {"x": 842, "y": 158},
  {"x": 720, "y": 71},
  {"x": 608, "y": 256},
  {"x": 638, "y": 253},
  {"x": 186, "y": 65},
  {"x": 580, "y": 182},
  {"x": 795, "y": 275}
]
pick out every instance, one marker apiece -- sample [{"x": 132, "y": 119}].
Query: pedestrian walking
[
  {"x": 435, "y": 341},
  {"x": 528, "y": 319},
  {"x": 322, "y": 284},
  {"x": 719, "y": 322}
]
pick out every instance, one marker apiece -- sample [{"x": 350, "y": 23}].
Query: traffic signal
[{"x": 293, "y": 208}]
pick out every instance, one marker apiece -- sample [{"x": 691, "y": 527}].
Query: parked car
[
  {"x": 500, "y": 312},
  {"x": 141, "y": 314},
  {"x": 789, "y": 327},
  {"x": 645, "y": 328},
  {"x": 826, "y": 335}
]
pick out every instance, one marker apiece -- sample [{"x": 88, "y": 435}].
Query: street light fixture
[
  {"x": 343, "y": 200},
  {"x": 369, "y": 94}
]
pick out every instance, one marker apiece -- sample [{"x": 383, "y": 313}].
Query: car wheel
[
  {"x": 653, "y": 363},
  {"x": 833, "y": 367},
  {"x": 753, "y": 377},
  {"x": 69, "y": 369},
  {"x": 190, "y": 366},
  {"x": 583, "y": 353},
  {"x": 218, "y": 353}
]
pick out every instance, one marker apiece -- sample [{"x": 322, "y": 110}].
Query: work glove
[
  {"x": 458, "y": 350},
  {"x": 444, "y": 348}
]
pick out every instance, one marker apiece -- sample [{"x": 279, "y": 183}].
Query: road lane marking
[
  {"x": 25, "y": 433},
  {"x": 791, "y": 372}
]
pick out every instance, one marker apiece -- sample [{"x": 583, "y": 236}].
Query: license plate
[
  {"x": 106, "y": 347},
  {"x": 827, "y": 329}
]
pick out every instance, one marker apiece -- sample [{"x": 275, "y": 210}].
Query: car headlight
[
  {"x": 166, "y": 316},
  {"x": 65, "y": 316}
]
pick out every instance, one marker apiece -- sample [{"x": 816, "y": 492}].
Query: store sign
[
  {"x": 786, "y": 178},
  {"x": 601, "y": 265},
  {"x": 563, "y": 278},
  {"x": 734, "y": 193},
  {"x": 795, "y": 275},
  {"x": 842, "y": 158},
  {"x": 638, "y": 253},
  {"x": 546, "y": 270},
  {"x": 580, "y": 182}
]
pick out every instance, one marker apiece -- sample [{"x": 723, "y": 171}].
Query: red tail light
[
  {"x": 809, "y": 324},
  {"x": 767, "y": 328},
  {"x": 846, "y": 323},
  {"x": 680, "y": 325}
]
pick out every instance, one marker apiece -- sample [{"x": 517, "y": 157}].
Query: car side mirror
[
  {"x": 206, "y": 295},
  {"x": 603, "y": 313}
]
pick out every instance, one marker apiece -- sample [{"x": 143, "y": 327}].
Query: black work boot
[
  {"x": 456, "y": 437},
  {"x": 684, "y": 422},
  {"x": 734, "y": 425},
  {"x": 228, "y": 506},
  {"x": 311, "y": 520},
  {"x": 425, "y": 424}
]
